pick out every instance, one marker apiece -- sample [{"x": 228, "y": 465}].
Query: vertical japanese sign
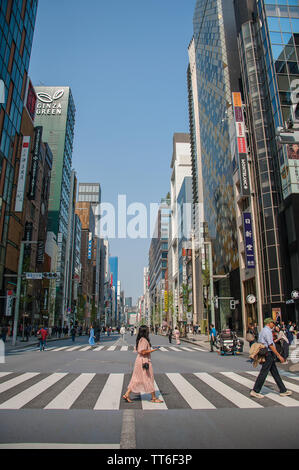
[
  {"x": 89, "y": 245},
  {"x": 9, "y": 303},
  {"x": 34, "y": 165},
  {"x": 241, "y": 144},
  {"x": 22, "y": 174},
  {"x": 248, "y": 237}
]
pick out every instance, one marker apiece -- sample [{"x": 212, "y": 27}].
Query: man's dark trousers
[{"x": 269, "y": 366}]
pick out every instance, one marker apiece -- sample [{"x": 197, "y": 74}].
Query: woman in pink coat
[
  {"x": 142, "y": 380},
  {"x": 177, "y": 335}
]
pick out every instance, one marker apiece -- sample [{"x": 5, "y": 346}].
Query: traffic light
[{"x": 50, "y": 275}]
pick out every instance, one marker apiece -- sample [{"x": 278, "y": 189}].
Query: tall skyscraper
[
  {"x": 113, "y": 264},
  {"x": 17, "y": 21},
  {"x": 55, "y": 112},
  {"x": 268, "y": 38},
  {"x": 217, "y": 75}
]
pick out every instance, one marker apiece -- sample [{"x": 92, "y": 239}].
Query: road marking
[
  {"x": 99, "y": 348},
  {"x": 111, "y": 348},
  {"x": 86, "y": 348},
  {"x": 285, "y": 401},
  {"x": 60, "y": 349},
  {"x": 148, "y": 405},
  {"x": 163, "y": 349},
  {"x": 17, "y": 380},
  {"x": 53, "y": 445},
  {"x": 21, "y": 399},
  {"x": 187, "y": 349},
  {"x": 229, "y": 393},
  {"x": 74, "y": 348},
  {"x": 174, "y": 349},
  {"x": 124, "y": 348},
  {"x": 3, "y": 374},
  {"x": 67, "y": 397},
  {"x": 128, "y": 433},
  {"x": 109, "y": 398},
  {"x": 192, "y": 396},
  {"x": 198, "y": 349}
]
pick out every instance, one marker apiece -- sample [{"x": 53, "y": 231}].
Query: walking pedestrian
[
  {"x": 170, "y": 334},
  {"x": 266, "y": 338},
  {"x": 91, "y": 336},
  {"x": 213, "y": 335},
  {"x": 122, "y": 332},
  {"x": 281, "y": 343},
  {"x": 177, "y": 335},
  {"x": 26, "y": 332},
  {"x": 250, "y": 336},
  {"x": 42, "y": 336},
  {"x": 73, "y": 333},
  {"x": 4, "y": 331},
  {"x": 142, "y": 380}
]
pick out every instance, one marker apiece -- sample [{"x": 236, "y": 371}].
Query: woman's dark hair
[{"x": 143, "y": 332}]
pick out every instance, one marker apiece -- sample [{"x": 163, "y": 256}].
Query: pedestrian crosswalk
[
  {"x": 115, "y": 347},
  {"x": 196, "y": 391}
]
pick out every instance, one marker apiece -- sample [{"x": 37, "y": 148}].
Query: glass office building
[
  {"x": 55, "y": 112},
  {"x": 217, "y": 74},
  {"x": 268, "y": 39},
  {"x": 17, "y": 21}
]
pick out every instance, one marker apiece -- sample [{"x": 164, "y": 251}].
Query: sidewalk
[{"x": 33, "y": 341}]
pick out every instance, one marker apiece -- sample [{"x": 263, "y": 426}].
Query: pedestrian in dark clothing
[
  {"x": 266, "y": 338},
  {"x": 26, "y": 331},
  {"x": 73, "y": 333},
  {"x": 4, "y": 331},
  {"x": 59, "y": 331},
  {"x": 170, "y": 334}
]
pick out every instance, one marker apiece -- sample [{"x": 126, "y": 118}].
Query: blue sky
[{"x": 126, "y": 63}]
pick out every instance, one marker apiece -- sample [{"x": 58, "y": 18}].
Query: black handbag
[{"x": 145, "y": 366}]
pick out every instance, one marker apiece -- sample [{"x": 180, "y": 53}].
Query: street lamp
[{"x": 19, "y": 281}]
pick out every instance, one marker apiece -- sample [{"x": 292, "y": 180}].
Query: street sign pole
[{"x": 19, "y": 281}]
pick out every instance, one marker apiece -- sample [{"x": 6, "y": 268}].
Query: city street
[{"x": 71, "y": 394}]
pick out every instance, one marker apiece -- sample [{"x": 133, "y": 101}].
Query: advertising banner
[
  {"x": 241, "y": 144},
  {"x": 9, "y": 303},
  {"x": 34, "y": 165},
  {"x": 22, "y": 174},
  {"x": 248, "y": 237}
]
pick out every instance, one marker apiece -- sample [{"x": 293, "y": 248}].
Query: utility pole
[{"x": 18, "y": 294}]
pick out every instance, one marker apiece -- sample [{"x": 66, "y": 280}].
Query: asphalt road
[{"x": 66, "y": 397}]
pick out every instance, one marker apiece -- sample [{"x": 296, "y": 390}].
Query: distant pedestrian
[
  {"x": 142, "y": 380},
  {"x": 73, "y": 333},
  {"x": 290, "y": 332},
  {"x": 42, "y": 336},
  {"x": 213, "y": 335},
  {"x": 4, "y": 331},
  {"x": 59, "y": 331},
  {"x": 250, "y": 336},
  {"x": 170, "y": 334},
  {"x": 27, "y": 332},
  {"x": 156, "y": 329},
  {"x": 122, "y": 332},
  {"x": 177, "y": 335},
  {"x": 91, "y": 336},
  {"x": 266, "y": 338}
]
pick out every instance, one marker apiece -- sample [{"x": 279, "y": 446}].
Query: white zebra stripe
[
  {"x": 21, "y": 399},
  {"x": 285, "y": 401},
  {"x": 192, "y": 396},
  {"x": 124, "y": 348},
  {"x": 187, "y": 349},
  {"x": 148, "y": 405},
  {"x": 163, "y": 349},
  {"x": 111, "y": 348},
  {"x": 99, "y": 348},
  {"x": 67, "y": 397},
  {"x": 3, "y": 374},
  {"x": 17, "y": 380},
  {"x": 74, "y": 348},
  {"x": 229, "y": 393},
  {"x": 86, "y": 348},
  {"x": 109, "y": 399},
  {"x": 174, "y": 349}
]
